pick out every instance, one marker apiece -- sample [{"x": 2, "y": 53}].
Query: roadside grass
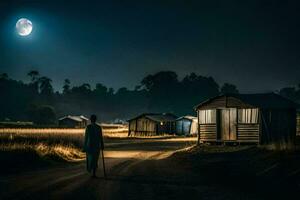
[
  {"x": 46, "y": 144},
  {"x": 60, "y": 144},
  {"x": 56, "y": 152},
  {"x": 20, "y": 157}
]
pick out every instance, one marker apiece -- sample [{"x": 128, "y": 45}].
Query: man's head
[{"x": 93, "y": 118}]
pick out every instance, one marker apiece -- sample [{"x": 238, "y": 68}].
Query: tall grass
[{"x": 62, "y": 143}]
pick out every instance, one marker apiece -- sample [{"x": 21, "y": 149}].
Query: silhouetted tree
[
  {"x": 195, "y": 89},
  {"x": 200, "y": 85},
  {"x": 34, "y": 75},
  {"x": 159, "y": 92},
  {"x": 122, "y": 90},
  {"x": 4, "y": 76},
  {"x": 163, "y": 90},
  {"x": 34, "y": 78},
  {"x": 228, "y": 88},
  {"x": 101, "y": 89},
  {"x": 66, "y": 86},
  {"x": 46, "y": 88},
  {"x": 100, "y": 96},
  {"x": 137, "y": 87},
  {"x": 82, "y": 90},
  {"x": 290, "y": 92},
  {"x": 42, "y": 115},
  {"x": 111, "y": 91},
  {"x": 15, "y": 96}
]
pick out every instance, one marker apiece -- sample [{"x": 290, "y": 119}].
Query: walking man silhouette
[{"x": 93, "y": 144}]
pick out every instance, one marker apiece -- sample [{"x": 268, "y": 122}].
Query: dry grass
[
  {"x": 56, "y": 152},
  {"x": 108, "y": 130},
  {"x": 58, "y": 143}
]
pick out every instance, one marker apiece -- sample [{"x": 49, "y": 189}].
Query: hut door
[
  {"x": 186, "y": 127},
  {"x": 228, "y": 123}
]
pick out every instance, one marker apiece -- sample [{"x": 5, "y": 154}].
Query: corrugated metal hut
[
  {"x": 250, "y": 118},
  {"x": 187, "y": 125},
  {"x": 152, "y": 124},
  {"x": 73, "y": 121}
]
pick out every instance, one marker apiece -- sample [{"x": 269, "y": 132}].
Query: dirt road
[{"x": 127, "y": 166}]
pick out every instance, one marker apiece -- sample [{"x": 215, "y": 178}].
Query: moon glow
[{"x": 24, "y": 26}]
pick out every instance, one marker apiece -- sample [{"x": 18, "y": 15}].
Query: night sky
[{"x": 254, "y": 45}]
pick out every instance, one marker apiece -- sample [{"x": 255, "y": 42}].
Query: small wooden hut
[
  {"x": 250, "y": 118},
  {"x": 73, "y": 121},
  {"x": 152, "y": 124},
  {"x": 187, "y": 125}
]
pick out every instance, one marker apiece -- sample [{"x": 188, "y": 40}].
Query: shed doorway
[
  {"x": 228, "y": 119},
  {"x": 186, "y": 126},
  {"x": 183, "y": 127}
]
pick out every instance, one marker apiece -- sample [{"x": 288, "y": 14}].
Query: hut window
[
  {"x": 207, "y": 116},
  {"x": 248, "y": 116}
]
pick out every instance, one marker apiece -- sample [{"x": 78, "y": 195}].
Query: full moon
[{"x": 24, "y": 26}]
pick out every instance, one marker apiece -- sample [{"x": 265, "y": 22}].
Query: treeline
[
  {"x": 161, "y": 92},
  {"x": 292, "y": 93}
]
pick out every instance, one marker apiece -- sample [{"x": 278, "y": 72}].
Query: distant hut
[
  {"x": 73, "y": 121},
  {"x": 250, "y": 118},
  {"x": 187, "y": 125},
  {"x": 152, "y": 124}
]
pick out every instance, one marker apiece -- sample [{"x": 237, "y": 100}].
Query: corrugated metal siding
[
  {"x": 208, "y": 132},
  {"x": 248, "y": 132},
  {"x": 132, "y": 125},
  {"x": 183, "y": 127},
  {"x": 245, "y": 133},
  {"x": 194, "y": 127},
  {"x": 142, "y": 126},
  {"x": 145, "y": 125}
]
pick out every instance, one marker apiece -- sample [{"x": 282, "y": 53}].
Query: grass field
[{"x": 57, "y": 143}]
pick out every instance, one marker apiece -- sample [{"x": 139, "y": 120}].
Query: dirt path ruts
[{"x": 72, "y": 182}]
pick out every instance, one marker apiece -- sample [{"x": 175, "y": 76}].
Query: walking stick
[{"x": 103, "y": 163}]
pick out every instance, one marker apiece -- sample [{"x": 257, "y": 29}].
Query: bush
[{"x": 43, "y": 115}]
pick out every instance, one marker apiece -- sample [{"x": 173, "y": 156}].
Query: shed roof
[
  {"x": 158, "y": 117},
  {"x": 262, "y": 100},
  {"x": 189, "y": 117},
  {"x": 74, "y": 118}
]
